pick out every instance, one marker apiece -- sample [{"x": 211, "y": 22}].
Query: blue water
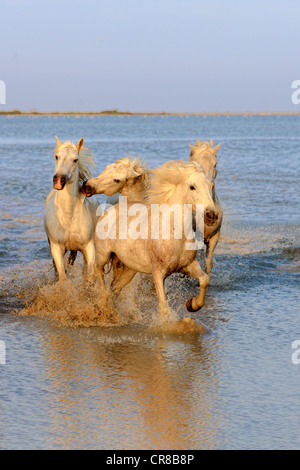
[{"x": 122, "y": 386}]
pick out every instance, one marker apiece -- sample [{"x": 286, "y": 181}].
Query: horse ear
[
  {"x": 80, "y": 144},
  {"x": 217, "y": 147},
  {"x": 211, "y": 143},
  {"x": 136, "y": 169},
  {"x": 198, "y": 142},
  {"x": 135, "y": 172},
  {"x": 58, "y": 142}
]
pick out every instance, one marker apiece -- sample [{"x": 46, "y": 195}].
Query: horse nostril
[
  {"x": 87, "y": 189},
  {"x": 59, "y": 181},
  {"x": 211, "y": 216}
]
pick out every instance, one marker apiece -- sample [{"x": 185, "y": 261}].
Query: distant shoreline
[{"x": 16, "y": 112}]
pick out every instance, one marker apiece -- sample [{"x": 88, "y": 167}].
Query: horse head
[
  {"x": 204, "y": 153},
  {"x": 72, "y": 162},
  {"x": 181, "y": 182},
  {"x": 115, "y": 176},
  {"x": 66, "y": 162},
  {"x": 198, "y": 190}
]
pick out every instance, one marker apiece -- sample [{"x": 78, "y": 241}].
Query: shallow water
[{"x": 74, "y": 379}]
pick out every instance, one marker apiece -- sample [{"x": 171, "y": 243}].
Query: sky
[{"x": 150, "y": 55}]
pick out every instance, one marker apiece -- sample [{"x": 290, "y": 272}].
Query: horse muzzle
[
  {"x": 211, "y": 217},
  {"x": 59, "y": 182},
  {"x": 87, "y": 189}
]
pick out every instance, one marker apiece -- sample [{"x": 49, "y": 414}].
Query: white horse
[
  {"x": 70, "y": 218},
  {"x": 205, "y": 154},
  {"x": 126, "y": 176},
  {"x": 175, "y": 183}
]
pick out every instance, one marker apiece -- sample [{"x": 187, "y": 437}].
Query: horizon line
[{"x": 116, "y": 112}]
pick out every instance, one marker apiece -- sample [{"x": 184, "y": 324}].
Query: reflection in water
[{"x": 122, "y": 389}]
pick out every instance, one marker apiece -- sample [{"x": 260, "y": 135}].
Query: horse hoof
[{"x": 190, "y": 308}]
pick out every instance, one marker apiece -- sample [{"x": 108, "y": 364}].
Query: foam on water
[
  {"x": 73, "y": 303},
  {"x": 30, "y": 289}
]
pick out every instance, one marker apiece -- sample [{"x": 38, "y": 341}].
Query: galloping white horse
[
  {"x": 70, "y": 218},
  {"x": 127, "y": 177},
  {"x": 175, "y": 183},
  {"x": 205, "y": 154}
]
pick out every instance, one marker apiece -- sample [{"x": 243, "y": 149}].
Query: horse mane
[
  {"x": 135, "y": 164},
  {"x": 168, "y": 180},
  {"x": 85, "y": 160}
]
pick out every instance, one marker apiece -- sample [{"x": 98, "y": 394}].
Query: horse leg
[
  {"x": 58, "y": 254},
  {"x": 55, "y": 271},
  {"x": 158, "y": 280},
  {"x": 209, "y": 253},
  {"x": 54, "y": 265},
  {"x": 194, "y": 270},
  {"x": 90, "y": 259},
  {"x": 72, "y": 257},
  {"x": 103, "y": 256},
  {"x": 124, "y": 277},
  {"x": 117, "y": 267}
]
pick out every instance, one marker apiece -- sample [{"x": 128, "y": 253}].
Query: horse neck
[
  {"x": 134, "y": 191},
  {"x": 68, "y": 197}
]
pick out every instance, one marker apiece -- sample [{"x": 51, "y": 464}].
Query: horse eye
[
  {"x": 56, "y": 157},
  {"x": 76, "y": 160},
  {"x": 192, "y": 187},
  {"x": 117, "y": 181}
]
